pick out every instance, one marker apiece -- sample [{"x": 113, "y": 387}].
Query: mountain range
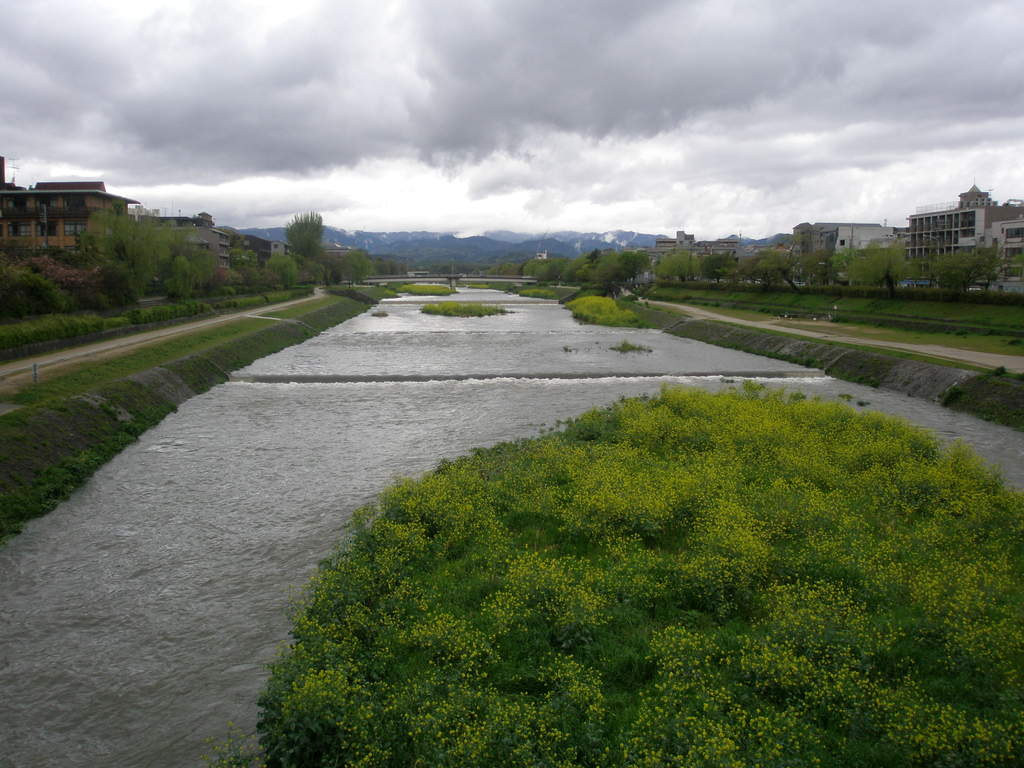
[{"x": 490, "y": 247}]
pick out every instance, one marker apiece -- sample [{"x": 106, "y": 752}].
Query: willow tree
[{"x": 305, "y": 234}]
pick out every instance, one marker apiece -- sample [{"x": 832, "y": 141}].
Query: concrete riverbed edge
[
  {"x": 990, "y": 396},
  {"x": 55, "y": 447}
]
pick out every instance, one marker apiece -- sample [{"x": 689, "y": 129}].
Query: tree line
[
  {"x": 877, "y": 265},
  {"x": 120, "y": 259}
]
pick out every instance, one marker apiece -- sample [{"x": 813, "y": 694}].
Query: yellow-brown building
[{"x": 52, "y": 213}]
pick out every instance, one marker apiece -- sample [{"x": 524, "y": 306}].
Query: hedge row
[
  {"x": 49, "y": 327},
  {"x": 53, "y": 327}
]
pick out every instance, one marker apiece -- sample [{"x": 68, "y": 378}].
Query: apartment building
[
  {"x": 972, "y": 222},
  {"x": 830, "y": 236},
  {"x": 52, "y": 214},
  {"x": 204, "y": 234}
]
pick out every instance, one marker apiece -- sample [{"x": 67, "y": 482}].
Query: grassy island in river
[
  {"x": 695, "y": 579},
  {"x": 462, "y": 309}
]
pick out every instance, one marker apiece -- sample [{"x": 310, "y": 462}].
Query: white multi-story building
[{"x": 972, "y": 222}]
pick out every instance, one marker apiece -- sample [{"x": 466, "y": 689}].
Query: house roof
[
  {"x": 39, "y": 189},
  {"x": 51, "y": 186}
]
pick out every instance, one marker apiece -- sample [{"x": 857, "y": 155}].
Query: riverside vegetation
[
  {"x": 462, "y": 309},
  {"x": 601, "y": 310},
  {"x": 418, "y": 289},
  {"x": 696, "y": 579}
]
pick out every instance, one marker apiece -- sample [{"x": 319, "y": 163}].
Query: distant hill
[{"x": 488, "y": 248}]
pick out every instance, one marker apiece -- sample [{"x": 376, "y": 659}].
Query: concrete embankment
[
  {"x": 50, "y": 449},
  {"x": 991, "y": 396}
]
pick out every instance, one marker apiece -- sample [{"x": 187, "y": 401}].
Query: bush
[
  {"x": 695, "y": 580},
  {"x": 462, "y": 309},
  {"x": 600, "y": 310},
  {"x": 538, "y": 293},
  {"x": 417, "y": 289},
  {"x": 51, "y": 327},
  {"x": 23, "y": 292}
]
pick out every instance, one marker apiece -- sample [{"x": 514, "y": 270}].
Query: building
[
  {"x": 970, "y": 223},
  {"x": 52, "y": 214},
  {"x": 830, "y": 236},
  {"x": 664, "y": 245},
  {"x": 204, "y": 234}
]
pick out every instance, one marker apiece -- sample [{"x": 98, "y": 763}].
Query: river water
[{"x": 137, "y": 617}]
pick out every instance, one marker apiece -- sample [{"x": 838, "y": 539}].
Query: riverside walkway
[
  {"x": 1014, "y": 363},
  {"x": 16, "y": 373}
]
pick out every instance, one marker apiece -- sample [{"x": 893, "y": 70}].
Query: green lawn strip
[
  {"x": 1001, "y": 345},
  {"x": 735, "y": 579},
  {"x": 304, "y": 308},
  {"x": 862, "y": 347},
  {"x": 993, "y": 315},
  {"x": 92, "y": 374}
]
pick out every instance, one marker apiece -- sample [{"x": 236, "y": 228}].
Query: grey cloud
[{"x": 212, "y": 92}]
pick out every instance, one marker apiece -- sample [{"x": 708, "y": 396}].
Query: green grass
[
  {"x": 697, "y": 579},
  {"x": 1002, "y": 345},
  {"x": 889, "y": 352},
  {"x": 305, "y": 307},
  {"x": 624, "y": 346},
  {"x": 377, "y": 291},
  {"x": 416, "y": 289},
  {"x": 600, "y": 310},
  {"x": 538, "y": 293},
  {"x": 997, "y": 316},
  {"x": 93, "y": 374},
  {"x": 462, "y": 309}
]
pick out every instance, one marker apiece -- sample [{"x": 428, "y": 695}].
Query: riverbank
[
  {"x": 692, "y": 579},
  {"x": 51, "y": 448},
  {"x": 994, "y": 396}
]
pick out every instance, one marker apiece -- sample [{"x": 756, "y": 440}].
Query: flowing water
[{"x": 136, "y": 619}]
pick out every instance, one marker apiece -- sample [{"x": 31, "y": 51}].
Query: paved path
[
  {"x": 16, "y": 372},
  {"x": 1014, "y": 363}
]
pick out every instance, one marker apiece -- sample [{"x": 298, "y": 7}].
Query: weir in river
[{"x": 137, "y": 617}]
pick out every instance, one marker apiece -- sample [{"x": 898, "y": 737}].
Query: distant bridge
[{"x": 449, "y": 278}]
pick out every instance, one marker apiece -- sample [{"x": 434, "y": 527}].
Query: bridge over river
[{"x": 450, "y": 278}]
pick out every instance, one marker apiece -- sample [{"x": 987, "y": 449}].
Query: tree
[
  {"x": 959, "y": 271},
  {"x": 305, "y": 233},
  {"x": 355, "y": 266},
  {"x": 878, "y": 265},
  {"x": 138, "y": 246},
  {"x": 678, "y": 265},
  {"x": 284, "y": 268},
  {"x": 716, "y": 266}
]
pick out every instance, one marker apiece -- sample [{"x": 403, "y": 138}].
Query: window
[
  {"x": 74, "y": 227},
  {"x": 1015, "y": 232},
  {"x": 49, "y": 229},
  {"x": 19, "y": 229}
]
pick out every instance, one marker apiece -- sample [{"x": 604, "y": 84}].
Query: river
[{"x": 136, "y": 619}]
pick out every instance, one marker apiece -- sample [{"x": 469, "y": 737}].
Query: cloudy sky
[{"x": 713, "y": 116}]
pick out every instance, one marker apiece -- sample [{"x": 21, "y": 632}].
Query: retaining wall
[{"x": 47, "y": 451}]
